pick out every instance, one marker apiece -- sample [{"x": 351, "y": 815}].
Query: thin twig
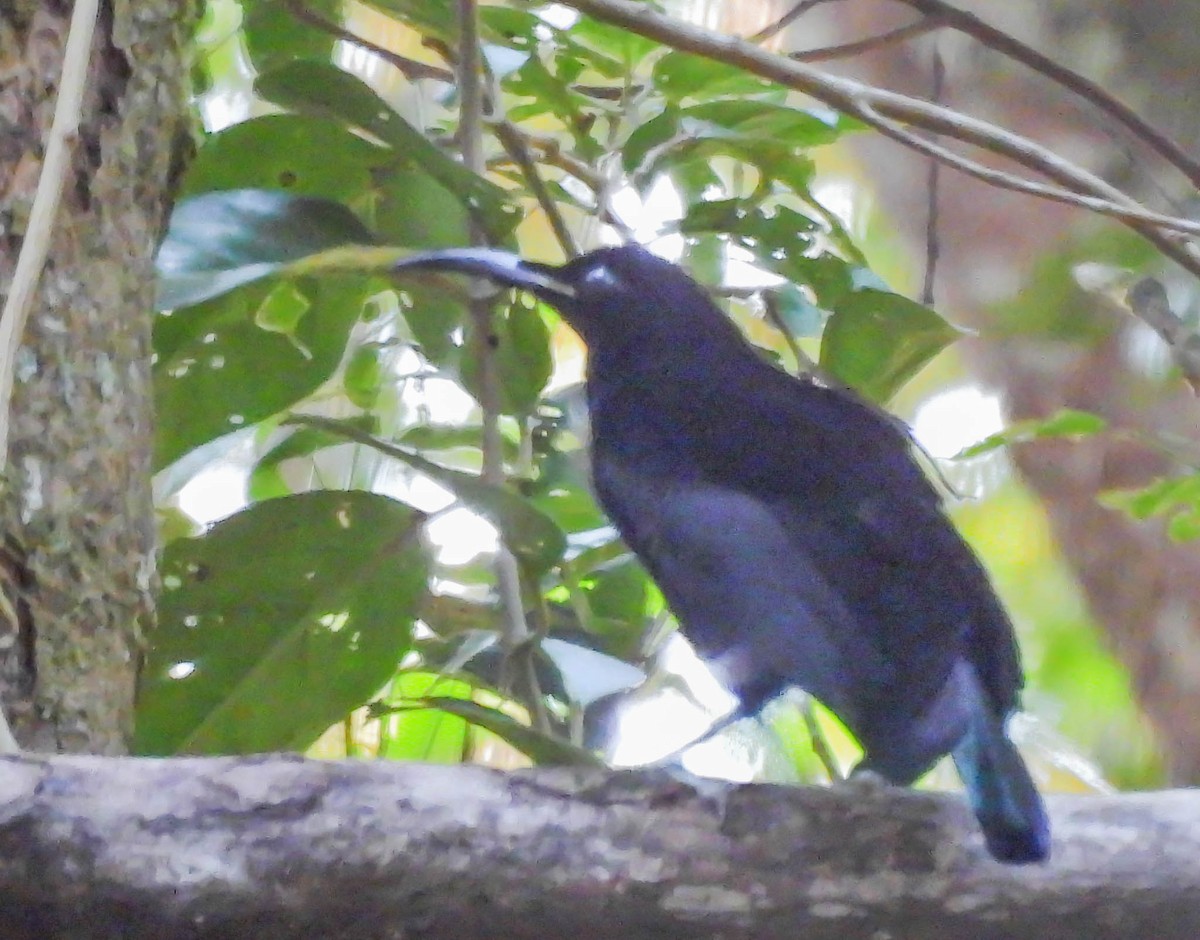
[
  {"x": 786, "y": 20},
  {"x": 469, "y": 68},
  {"x": 932, "y": 244},
  {"x": 1129, "y": 212},
  {"x": 775, "y": 318},
  {"x": 35, "y": 247},
  {"x": 411, "y": 69},
  {"x": 552, "y": 153},
  {"x": 515, "y": 145},
  {"x": 994, "y": 38},
  {"x": 862, "y": 46}
]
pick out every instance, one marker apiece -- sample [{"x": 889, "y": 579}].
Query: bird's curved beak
[{"x": 503, "y": 267}]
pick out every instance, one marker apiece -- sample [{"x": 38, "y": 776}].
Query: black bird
[{"x": 790, "y": 530}]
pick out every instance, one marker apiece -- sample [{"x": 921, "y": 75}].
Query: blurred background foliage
[{"x": 329, "y": 572}]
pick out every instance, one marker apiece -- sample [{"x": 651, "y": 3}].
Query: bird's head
[{"x": 607, "y": 295}]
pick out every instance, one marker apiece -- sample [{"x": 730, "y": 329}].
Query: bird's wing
[
  {"x": 749, "y": 597},
  {"x": 835, "y": 465}
]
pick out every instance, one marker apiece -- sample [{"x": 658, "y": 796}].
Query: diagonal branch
[
  {"x": 969, "y": 24},
  {"x": 882, "y": 109},
  {"x": 862, "y": 46}
]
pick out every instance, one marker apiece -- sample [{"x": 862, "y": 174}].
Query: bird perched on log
[{"x": 790, "y": 530}]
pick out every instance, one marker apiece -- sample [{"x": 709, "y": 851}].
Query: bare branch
[
  {"x": 473, "y": 97},
  {"x": 516, "y": 145},
  {"x": 1018, "y": 184},
  {"x": 971, "y": 25},
  {"x": 863, "y": 46},
  {"x": 786, "y": 20},
  {"x": 933, "y": 248},
  {"x": 277, "y": 848},
  {"x": 882, "y": 109}
]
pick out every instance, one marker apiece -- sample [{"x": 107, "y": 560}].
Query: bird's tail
[{"x": 1001, "y": 792}]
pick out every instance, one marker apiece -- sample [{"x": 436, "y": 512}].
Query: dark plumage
[{"x": 790, "y": 530}]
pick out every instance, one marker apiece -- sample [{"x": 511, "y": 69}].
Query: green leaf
[
  {"x": 322, "y": 90},
  {"x": 217, "y": 371},
  {"x": 363, "y": 376},
  {"x": 679, "y": 75},
  {"x": 278, "y": 622},
  {"x": 1176, "y": 498},
  {"x": 757, "y": 130},
  {"x": 1066, "y": 422},
  {"x": 528, "y": 532},
  {"x": 274, "y": 35},
  {"x": 303, "y": 156},
  {"x": 266, "y": 480},
  {"x": 421, "y": 734},
  {"x": 522, "y": 358},
  {"x": 876, "y": 341},
  {"x": 552, "y": 94},
  {"x": 434, "y": 18},
  {"x": 434, "y": 317},
  {"x": 541, "y": 748},
  {"x": 218, "y": 241},
  {"x": 778, "y": 236},
  {"x": 1184, "y": 526},
  {"x": 620, "y": 49}
]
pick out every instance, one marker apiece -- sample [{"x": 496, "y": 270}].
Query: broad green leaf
[
  {"x": 434, "y": 18},
  {"x": 778, "y": 236},
  {"x": 1067, "y": 422},
  {"x": 322, "y": 90},
  {"x": 278, "y": 622},
  {"x": 217, "y": 371},
  {"x": 680, "y": 75},
  {"x": 1184, "y": 526},
  {"x": 437, "y": 20},
  {"x": 750, "y": 126},
  {"x": 876, "y": 341},
  {"x": 541, "y": 748},
  {"x": 363, "y": 376},
  {"x": 303, "y": 156},
  {"x": 562, "y": 489},
  {"x": 522, "y": 358},
  {"x": 434, "y": 317},
  {"x": 274, "y": 34},
  {"x": 218, "y": 241},
  {"x": 266, "y": 479},
  {"x": 415, "y": 210},
  {"x": 621, "y": 50},
  {"x": 528, "y": 532}
]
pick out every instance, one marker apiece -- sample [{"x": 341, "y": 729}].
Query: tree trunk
[{"x": 78, "y": 549}]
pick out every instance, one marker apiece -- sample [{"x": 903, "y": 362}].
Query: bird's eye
[{"x": 602, "y": 276}]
